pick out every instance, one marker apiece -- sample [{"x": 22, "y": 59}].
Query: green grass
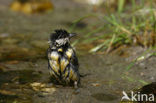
[
  {"x": 129, "y": 25},
  {"x": 121, "y": 5}
]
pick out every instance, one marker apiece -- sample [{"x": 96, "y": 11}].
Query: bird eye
[{"x": 56, "y": 43}]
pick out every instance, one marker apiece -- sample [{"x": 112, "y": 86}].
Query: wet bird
[{"x": 62, "y": 61}]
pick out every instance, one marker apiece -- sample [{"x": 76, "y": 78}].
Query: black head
[{"x": 59, "y": 38}]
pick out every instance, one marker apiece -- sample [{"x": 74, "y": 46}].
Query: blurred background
[{"x": 116, "y": 46}]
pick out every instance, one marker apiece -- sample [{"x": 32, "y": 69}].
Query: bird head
[{"x": 60, "y": 38}]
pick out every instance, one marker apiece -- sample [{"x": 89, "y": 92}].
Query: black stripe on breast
[{"x": 50, "y": 68}]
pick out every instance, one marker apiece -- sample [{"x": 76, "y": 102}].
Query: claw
[
  {"x": 75, "y": 85},
  {"x": 77, "y": 90}
]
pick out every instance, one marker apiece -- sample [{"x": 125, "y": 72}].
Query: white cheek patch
[
  {"x": 54, "y": 56},
  {"x": 62, "y": 41}
]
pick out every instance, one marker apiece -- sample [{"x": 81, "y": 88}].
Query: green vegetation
[{"x": 133, "y": 23}]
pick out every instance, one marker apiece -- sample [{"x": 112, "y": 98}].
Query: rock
[
  {"x": 42, "y": 87},
  {"x": 95, "y": 84},
  {"x": 48, "y": 90},
  {"x": 149, "y": 89},
  {"x": 36, "y": 84}
]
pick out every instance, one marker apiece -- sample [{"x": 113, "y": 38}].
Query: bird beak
[{"x": 72, "y": 35}]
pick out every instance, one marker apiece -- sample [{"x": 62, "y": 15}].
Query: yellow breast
[
  {"x": 69, "y": 53},
  {"x": 54, "y": 63},
  {"x": 64, "y": 62},
  {"x": 55, "y": 66},
  {"x": 54, "y": 56}
]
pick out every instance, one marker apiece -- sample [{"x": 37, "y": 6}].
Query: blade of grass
[
  {"x": 134, "y": 80},
  {"x": 121, "y": 5},
  {"x": 130, "y": 65},
  {"x": 134, "y": 27},
  {"x": 133, "y": 4},
  {"x": 115, "y": 23},
  {"x": 110, "y": 44},
  {"x": 74, "y": 43},
  {"x": 143, "y": 82},
  {"x": 135, "y": 60},
  {"x": 128, "y": 78},
  {"x": 95, "y": 49},
  {"x": 142, "y": 3}
]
